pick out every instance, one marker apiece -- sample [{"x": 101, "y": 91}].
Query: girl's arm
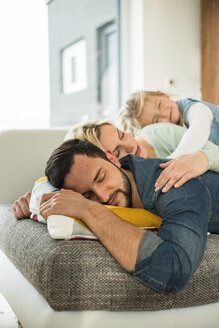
[
  {"x": 165, "y": 138},
  {"x": 200, "y": 118},
  {"x": 185, "y": 167}
]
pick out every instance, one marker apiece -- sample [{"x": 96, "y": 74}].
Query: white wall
[{"x": 167, "y": 35}]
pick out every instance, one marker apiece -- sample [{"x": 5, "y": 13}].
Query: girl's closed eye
[{"x": 158, "y": 105}]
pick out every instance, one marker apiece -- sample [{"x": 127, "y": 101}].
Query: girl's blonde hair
[
  {"x": 129, "y": 113},
  {"x": 89, "y": 131}
]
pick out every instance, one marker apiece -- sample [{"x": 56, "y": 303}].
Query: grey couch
[{"x": 78, "y": 284}]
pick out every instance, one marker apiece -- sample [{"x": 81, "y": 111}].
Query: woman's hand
[
  {"x": 21, "y": 207},
  {"x": 181, "y": 169}
]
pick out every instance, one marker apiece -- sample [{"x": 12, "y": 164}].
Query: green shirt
[{"x": 165, "y": 138}]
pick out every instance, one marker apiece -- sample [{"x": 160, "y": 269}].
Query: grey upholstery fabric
[{"x": 82, "y": 275}]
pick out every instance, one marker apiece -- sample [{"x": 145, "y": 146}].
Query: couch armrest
[{"x": 24, "y": 154}]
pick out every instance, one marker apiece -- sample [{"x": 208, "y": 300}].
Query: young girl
[{"x": 200, "y": 118}]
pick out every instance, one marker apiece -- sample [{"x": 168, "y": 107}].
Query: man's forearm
[{"x": 119, "y": 237}]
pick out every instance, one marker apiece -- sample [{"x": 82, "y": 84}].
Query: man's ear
[{"x": 112, "y": 158}]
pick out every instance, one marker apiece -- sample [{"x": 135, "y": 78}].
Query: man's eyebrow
[{"x": 97, "y": 174}]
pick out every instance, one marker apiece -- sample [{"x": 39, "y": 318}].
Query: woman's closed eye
[
  {"x": 117, "y": 152},
  {"x": 121, "y": 134}
]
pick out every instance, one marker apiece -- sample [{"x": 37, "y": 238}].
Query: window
[
  {"x": 108, "y": 69},
  {"x": 84, "y": 64},
  {"x": 74, "y": 67}
]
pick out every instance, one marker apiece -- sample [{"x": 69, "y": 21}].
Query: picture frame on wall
[{"x": 74, "y": 67}]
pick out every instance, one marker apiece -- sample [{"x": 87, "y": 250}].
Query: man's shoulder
[
  {"x": 145, "y": 173},
  {"x": 138, "y": 159},
  {"x": 130, "y": 162}
]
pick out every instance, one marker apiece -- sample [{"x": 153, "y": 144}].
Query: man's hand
[
  {"x": 21, "y": 207},
  {"x": 63, "y": 202},
  {"x": 178, "y": 171}
]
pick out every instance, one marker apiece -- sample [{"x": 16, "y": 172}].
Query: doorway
[{"x": 210, "y": 51}]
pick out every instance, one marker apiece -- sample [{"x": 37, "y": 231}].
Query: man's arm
[
  {"x": 167, "y": 260},
  {"x": 121, "y": 238}
]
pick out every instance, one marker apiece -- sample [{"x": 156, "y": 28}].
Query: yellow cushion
[{"x": 41, "y": 179}]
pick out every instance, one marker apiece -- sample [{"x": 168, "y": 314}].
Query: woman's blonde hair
[
  {"x": 88, "y": 131},
  {"x": 129, "y": 113}
]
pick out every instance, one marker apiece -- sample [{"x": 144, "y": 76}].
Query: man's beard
[{"x": 126, "y": 190}]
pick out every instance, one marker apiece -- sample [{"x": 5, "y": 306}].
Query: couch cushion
[{"x": 82, "y": 275}]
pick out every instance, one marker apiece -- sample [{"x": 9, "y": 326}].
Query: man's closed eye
[{"x": 101, "y": 179}]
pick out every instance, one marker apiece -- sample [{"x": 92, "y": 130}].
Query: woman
[{"x": 157, "y": 140}]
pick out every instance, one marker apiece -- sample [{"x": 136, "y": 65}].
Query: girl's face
[
  {"x": 119, "y": 142},
  {"x": 159, "y": 109}
]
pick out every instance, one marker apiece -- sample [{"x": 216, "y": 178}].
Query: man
[{"x": 91, "y": 178}]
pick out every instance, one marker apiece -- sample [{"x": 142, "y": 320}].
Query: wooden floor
[{"x": 7, "y": 316}]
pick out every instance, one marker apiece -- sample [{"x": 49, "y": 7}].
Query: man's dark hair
[{"x": 62, "y": 159}]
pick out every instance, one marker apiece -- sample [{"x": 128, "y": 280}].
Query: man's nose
[{"x": 102, "y": 196}]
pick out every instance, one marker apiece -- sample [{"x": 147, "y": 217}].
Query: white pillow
[{"x": 59, "y": 226}]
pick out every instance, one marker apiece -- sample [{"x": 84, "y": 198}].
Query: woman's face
[
  {"x": 159, "y": 109},
  {"x": 119, "y": 142}
]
